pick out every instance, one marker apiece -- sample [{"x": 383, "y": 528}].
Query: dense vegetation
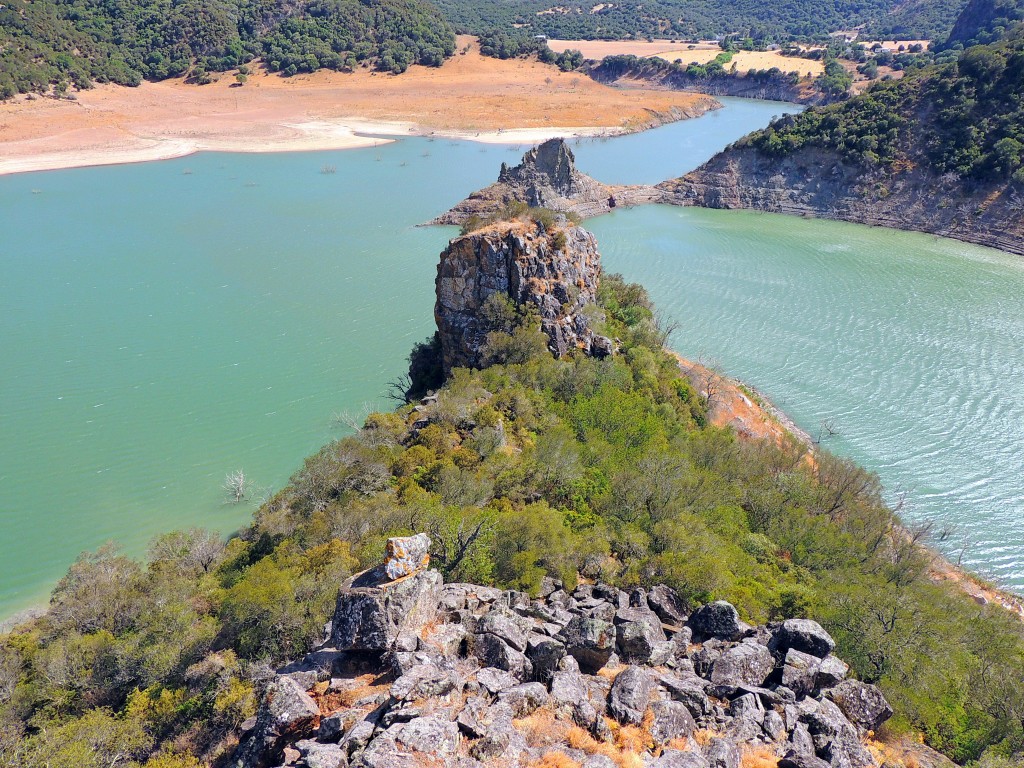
[
  {"x": 691, "y": 19},
  {"x": 77, "y": 42},
  {"x": 985, "y": 21},
  {"x": 964, "y": 118},
  {"x": 575, "y": 468}
]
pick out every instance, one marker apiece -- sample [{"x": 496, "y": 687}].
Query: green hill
[
  {"x": 46, "y": 43},
  {"x": 964, "y": 118},
  {"x": 773, "y": 22}
]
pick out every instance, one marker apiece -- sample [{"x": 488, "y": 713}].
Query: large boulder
[
  {"x": 630, "y": 695},
  {"x": 286, "y": 715},
  {"x": 718, "y": 619},
  {"x": 806, "y": 636},
  {"x": 590, "y": 641},
  {"x": 743, "y": 664},
  {"x": 863, "y": 704},
  {"x": 373, "y": 611},
  {"x": 800, "y": 672},
  {"x": 670, "y": 720}
]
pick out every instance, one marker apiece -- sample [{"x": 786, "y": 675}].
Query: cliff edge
[
  {"x": 547, "y": 178},
  {"x": 554, "y": 271},
  {"x": 817, "y": 182}
]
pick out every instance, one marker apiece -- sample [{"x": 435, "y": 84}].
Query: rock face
[
  {"x": 547, "y": 178},
  {"x": 463, "y": 675},
  {"x": 407, "y": 555},
  {"x": 817, "y": 183},
  {"x": 557, "y": 272}
]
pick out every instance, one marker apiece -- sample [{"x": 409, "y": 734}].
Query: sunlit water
[{"x": 164, "y": 324}]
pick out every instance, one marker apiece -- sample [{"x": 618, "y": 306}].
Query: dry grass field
[{"x": 701, "y": 53}]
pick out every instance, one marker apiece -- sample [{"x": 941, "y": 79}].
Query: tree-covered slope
[
  {"x": 46, "y": 43},
  {"x": 691, "y": 19},
  {"x": 964, "y": 118},
  {"x": 985, "y": 21},
  {"x": 574, "y": 468}
]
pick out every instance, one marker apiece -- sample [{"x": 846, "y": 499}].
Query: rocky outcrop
[
  {"x": 556, "y": 272},
  {"x": 818, "y": 183},
  {"x": 500, "y": 677},
  {"x": 547, "y": 178}
]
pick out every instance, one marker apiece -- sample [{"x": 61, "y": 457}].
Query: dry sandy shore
[{"x": 469, "y": 97}]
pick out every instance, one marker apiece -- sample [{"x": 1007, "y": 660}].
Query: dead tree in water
[{"x": 236, "y": 486}]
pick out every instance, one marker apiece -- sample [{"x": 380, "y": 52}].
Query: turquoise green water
[
  {"x": 911, "y": 346},
  {"x": 164, "y": 324}
]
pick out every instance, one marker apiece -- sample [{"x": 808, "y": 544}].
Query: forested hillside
[
  {"x": 985, "y": 21},
  {"x": 965, "y": 118},
  {"x": 770, "y": 22},
  {"x": 58, "y": 43}
]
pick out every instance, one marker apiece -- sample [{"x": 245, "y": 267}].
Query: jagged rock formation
[
  {"x": 547, "y": 178},
  {"x": 482, "y": 676},
  {"x": 557, "y": 272},
  {"x": 815, "y": 182}
]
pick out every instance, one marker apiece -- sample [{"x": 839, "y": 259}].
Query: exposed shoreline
[
  {"x": 318, "y": 135},
  {"x": 758, "y": 418},
  {"x": 470, "y": 97}
]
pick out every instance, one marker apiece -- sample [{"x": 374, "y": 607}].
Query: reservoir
[{"x": 164, "y": 324}]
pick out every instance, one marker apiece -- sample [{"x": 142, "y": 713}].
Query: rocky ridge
[
  {"x": 818, "y": 183},
  {"x": 547, "y": 178},
  {"x": 415, "y": 672},
  {"x": 557, "y": 272}
]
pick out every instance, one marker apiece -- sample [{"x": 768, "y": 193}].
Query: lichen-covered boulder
[
  {"x": 287, "y": 714},
  {"x": 806, "y": 636},
  {"x": 863, "y": 704},
  {"x": 372, "y": 611},
  {"x": 590, "y": 641},
  {"x": 744, "y": 664},
  {"x": 670, "y": 720},
  {"x": 630, "y": 695},
  {"x": 407, "y": 555},
  {"x": 718, "y": 619}
]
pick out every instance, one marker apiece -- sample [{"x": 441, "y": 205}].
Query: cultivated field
[{"x": 700, "y": 53}]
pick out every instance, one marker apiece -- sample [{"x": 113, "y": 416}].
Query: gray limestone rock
[
  {"x": 719, "y": 619},
  {"x": 492, "y": 651},
  {"x": 590, "y": 641},
  {"x": 317, "y": 755},
  {"x": 524, "y": 699},
  {"x": 287, "y": 713},
  {"x": 671, "y": 720},
  {"x": 832, "y": 671},
  {"x": 863, "y": 704},
  {"x": 800, "y": 672},
  {"x": 544, "y": 653},
  {"x": 806, "y": 636},
  {"x": 674, "y": 758},
  {"x": 721, "y": 753},
  {"x": 744, "y": 664},
  {"x": 509, "y": 626},
  {"x": 370, "y": 614},
  {"x": 630, "y": 695}
]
